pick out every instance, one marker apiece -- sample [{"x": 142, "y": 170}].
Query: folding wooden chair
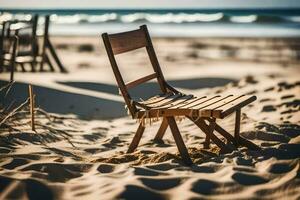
[
  {"x": 29, "y": 51},
  {"x": 171, "y": 103},
  {"x": 25, "y": 30}
]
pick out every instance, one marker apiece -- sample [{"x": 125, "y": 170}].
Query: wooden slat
[
  {"x": 190, "y": 101},
  {"x": 208, "y": 103},
  {"x": 140, "y": 81},
  {"x": 163, "y": 112},
  {"x": 227, "y": 109},
  {"x": 165, "y": 101},
  {"x": 156, "y": 99},
  {"x": 176, "y": 102},
  {"x": 207, "y": 111},
  {"x": 127, "y": 41},
  {"x": 200, "y": 101}
]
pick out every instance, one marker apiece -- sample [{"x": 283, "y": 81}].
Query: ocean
[{"x": 172, "y": 23}]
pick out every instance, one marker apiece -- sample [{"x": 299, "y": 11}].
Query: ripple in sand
[
  {"x": 37, "y": 190},
  {"x": 59, "y": 172},
  {"x": 4, "y": 150},
  {"x": 282, "y": 167},
  {"x": 24, "y": 189},
  {"x": 16, "y": 162},
  {"x": 203, "y": 186},
  {"x": 161, "y": 184},
  {"x": 248, "y": 179},
  {"x": 105, "y": 168},
  {"x": 162, "y": 166},
  {"x": 140, "y": 171},
  {"x": 133, "y": 192},
  {"x": 243, "y": 161}
]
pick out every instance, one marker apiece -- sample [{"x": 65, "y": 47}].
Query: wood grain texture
[
  {"x": 179, "y": 141},
  {"x": 140, "y": 81},
  {"x": 136, "y": 139},
  {"x": 127, "y": 41}
]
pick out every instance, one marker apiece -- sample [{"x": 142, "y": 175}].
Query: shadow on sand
[
  {"x": 151, "y": 88},
  {"x": 89, "y": 107}
]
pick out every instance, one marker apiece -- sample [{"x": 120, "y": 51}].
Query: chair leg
[
  {"x": 226, "y": 135},
  {"x": 241, "y": 141},
  {"x": 47, "y": 59},
  {"x": 237, "y": 125},
  {"x": 179, "y": 142},
  {"x": 32, "y": 64},
  {"x": 211, "y": 128},
  {"x": 161, "y": 131},
  {"x": 22, "y": 67},
  {"x": 204, "y": 127},
  {"x": 136, "y": 139}
]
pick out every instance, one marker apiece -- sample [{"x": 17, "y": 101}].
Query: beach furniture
[
  {"x": 49, "y": 51},
  {"x": 11, "y": 48},
  {"x": 171, "y": 104},
  {"x": 29, "y": 50}
]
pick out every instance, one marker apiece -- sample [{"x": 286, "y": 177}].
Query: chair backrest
[
  {"x": 26, "y": 32},
  {"x": 127, "y": 41}
]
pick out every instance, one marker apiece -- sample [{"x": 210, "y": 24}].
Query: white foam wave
[
  {"x": 294, "y": 19},
  {"x": 243, "y": 19},
  {"x": 171, "y": 17}
]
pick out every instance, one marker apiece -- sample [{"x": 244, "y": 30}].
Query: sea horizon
[{"x": 206, "y": 22}]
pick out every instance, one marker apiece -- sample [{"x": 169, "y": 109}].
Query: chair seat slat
[
  {"x": 237, "y": 104},
  {"x": 176, "y": 101},
  {"x": 208, "y": 103},
  {"x": 209, "y": 109}
]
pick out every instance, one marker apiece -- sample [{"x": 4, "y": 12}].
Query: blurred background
[{"x": 233, "y": 18}]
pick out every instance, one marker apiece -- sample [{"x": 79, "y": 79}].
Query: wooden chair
[
  {"x": 28, "y": 42},
  {"x": 29, "y": 50},
  {"x": 9, "y": 63},
  {"x": 171, "y": 103}
]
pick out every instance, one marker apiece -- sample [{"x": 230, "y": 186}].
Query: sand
[{"x": 82, "y": 130}]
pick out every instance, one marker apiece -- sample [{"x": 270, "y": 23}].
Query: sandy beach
[{"x": 78, "y": 150}]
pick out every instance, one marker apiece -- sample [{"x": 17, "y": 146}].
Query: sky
[{"x": 154, "y": 4}]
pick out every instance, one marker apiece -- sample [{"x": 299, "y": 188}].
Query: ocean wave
[
  {"x": 295, "y": 19},
  {"x": 83, "y": 18},
  {"x": 158, "y": 18},
  {"x": 243, "y": 19},
  {"x": 171, "y": 17}
]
